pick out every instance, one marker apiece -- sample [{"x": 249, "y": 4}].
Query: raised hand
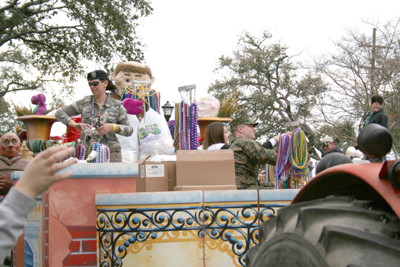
[{"x": 40, "y": 173}]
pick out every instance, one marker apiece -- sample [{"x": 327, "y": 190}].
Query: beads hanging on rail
[
  {"x": 186, "y": 121},
  {"x": 103, "y": 153},
  {"x": 80, "y": 152},
  {"x": 292, "y": 162},
  {"x": 282, "y": 162},
  {"x": 299, "y": 157}
]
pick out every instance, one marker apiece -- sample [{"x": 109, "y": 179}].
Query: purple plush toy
[
  {"x": 132, "y": 106},
  {"x": 40, "y": 100}
]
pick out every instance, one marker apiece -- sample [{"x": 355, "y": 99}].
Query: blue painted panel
[
  {"x": 28, "y": 254},
  {"x": 96, "y": 170},
  {"x": 277, "y": 194},
  {"x": 230, "y": 196},
  {"x": 149, "y": 198}
]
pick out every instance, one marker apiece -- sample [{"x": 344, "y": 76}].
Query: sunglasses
[
  {"x": 93, "y": 83},
  {"x": 325, "y": 144}
]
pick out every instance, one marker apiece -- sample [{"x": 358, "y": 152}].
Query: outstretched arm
[{"x": 37, "y": 177}]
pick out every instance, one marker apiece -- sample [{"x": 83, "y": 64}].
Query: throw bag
[
  {"x": 154, "y": 136},
  {"x": 130, "y": 144}
]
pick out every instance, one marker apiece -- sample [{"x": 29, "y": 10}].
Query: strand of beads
[
  {"x": 95, "y": 147},
  {"x": 98, "y": 158},
  {"x": 187, "y": 128},
  {"x": 104, "y": 154},
  {"x": 80, "y": 152},
  {"x": 181, "y": 126},
  {"x": 176, "y": 132},
  {"x": 185, "y": 125},
  {"x": 151, "y": 97},
  {"x": 282, "y": 163},
  {"x": 299, "y": 157},
  {"x": 193, "y": 126}
]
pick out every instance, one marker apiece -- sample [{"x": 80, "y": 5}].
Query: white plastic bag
[
  {"x": 130, "y": 144},
  {"x": 154, "y": 136},
  {"x": 207, "y": 106}
]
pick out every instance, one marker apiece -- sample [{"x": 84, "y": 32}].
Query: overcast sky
[{"x": 185, "y": 38}]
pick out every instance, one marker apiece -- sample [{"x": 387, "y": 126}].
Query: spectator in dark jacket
[
  {"x": 375, "y": 114},
  {"x": 329, "y": 145}
]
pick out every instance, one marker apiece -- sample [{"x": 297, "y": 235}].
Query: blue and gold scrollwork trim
[{"x": 126, "y": 230}]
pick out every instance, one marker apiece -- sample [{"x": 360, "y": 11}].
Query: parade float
[{"x": 188, "y": 211}]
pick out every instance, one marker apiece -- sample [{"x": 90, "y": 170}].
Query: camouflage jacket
[
  {"x": 249, "y": 155},
  {"x": 112, "y": 112}
]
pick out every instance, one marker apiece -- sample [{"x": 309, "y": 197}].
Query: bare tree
[{"x": 359, "y": 68}]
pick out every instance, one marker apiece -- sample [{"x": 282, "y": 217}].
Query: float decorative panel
[{"x": 212, "y": 228}]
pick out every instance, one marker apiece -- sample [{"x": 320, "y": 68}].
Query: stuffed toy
[
  {"x": 132, "y": 106},
  {"x": 40, "y": 100}
]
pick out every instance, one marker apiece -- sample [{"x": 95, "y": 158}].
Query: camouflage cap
[{"x": 242, "y": 120}]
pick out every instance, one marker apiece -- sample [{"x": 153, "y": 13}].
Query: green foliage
[
  {"x": 268, "y": 85},
  {"x": 43, "y": 43},
  {"x": 7, "y": 117}
]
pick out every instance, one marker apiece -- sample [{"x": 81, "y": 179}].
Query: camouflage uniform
[
  {"x": 112, "y": 112},
  {"x": 249, "y": 155}
]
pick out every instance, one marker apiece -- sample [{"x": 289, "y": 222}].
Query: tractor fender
[{"x": 364, "y": 181}]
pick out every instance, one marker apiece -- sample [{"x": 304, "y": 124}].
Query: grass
[
  {"x": 230, "y": 105},
  {"x": 23, "y": 111}
]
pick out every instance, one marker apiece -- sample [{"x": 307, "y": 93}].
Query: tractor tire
[{"x": 333, "y": 231}]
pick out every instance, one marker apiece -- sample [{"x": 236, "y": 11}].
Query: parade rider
[
  {"x": 248, "y": 154},
  {"x": 101, "y": 112}
]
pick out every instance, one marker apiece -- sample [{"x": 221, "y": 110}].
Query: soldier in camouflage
[
  {"x": 249, "y": 155},
  {"x": 105, "y": 114}
]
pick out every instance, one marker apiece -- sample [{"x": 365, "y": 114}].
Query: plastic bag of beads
[
  {"x": 130, "y": 144},
  {"x": 154, "y": 136},
  {"x": 207, "y": 106}
]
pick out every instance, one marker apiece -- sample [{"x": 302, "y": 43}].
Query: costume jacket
[
  {"x": 249, "y": 155},
  {"x": 112, "y": 112},
  {"x": 14, "y": 212}
]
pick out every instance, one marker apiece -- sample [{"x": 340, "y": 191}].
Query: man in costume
[
  {"x": 127, "y": 72},
  {"x": 329, "y": 146},
  {"x": 375, "y": 114},
  {"x": 10, "y": 160},
  {"x": 249, "y": 155}
]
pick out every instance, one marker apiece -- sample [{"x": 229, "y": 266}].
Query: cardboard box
[
  {"x": 171, "y": 169},
  {"x": 156, "y": 176},
  {"x": 205, "y": 167},
  {"x": 205, "y": 187}
]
